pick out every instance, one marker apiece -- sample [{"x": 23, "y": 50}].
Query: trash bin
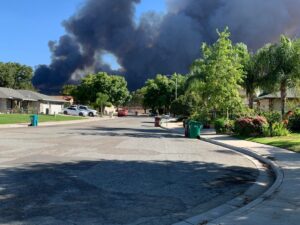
[
  {"x": 34, "y": 120},
  {"x": 157, "y": 121},
  {"x": 194, "y": 129},
  {"x": 186, "y": 127}
]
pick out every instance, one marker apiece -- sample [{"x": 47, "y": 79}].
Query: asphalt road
[{"x": 121, "y": 171}]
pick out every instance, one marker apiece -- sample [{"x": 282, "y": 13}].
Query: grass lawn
[
  {"x": 291, "y": 142},
  {"x": 25, "y": 118}
]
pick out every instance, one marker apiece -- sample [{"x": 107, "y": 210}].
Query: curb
[
  {"x": 232, "y": 207},
  {"x": 278, "y": 172}
]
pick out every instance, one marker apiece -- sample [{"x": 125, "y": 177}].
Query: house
[
  {"x": 10, "y": 99},
  {"x": 43, "y": 104},
  {"x": 28, "y": 101},
  {"x": 272, "y": 102}
]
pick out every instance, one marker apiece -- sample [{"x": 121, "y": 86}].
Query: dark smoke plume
[{"x": 158, "y": 43}]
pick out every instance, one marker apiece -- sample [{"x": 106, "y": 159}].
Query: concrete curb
[
  {"x": 234, "y": 206},
  {"x": 278, "y": 172},
  {"x": 55, "y": 123}
]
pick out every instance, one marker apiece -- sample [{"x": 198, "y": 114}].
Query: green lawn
[
  {"x": 291, "y": 142},
  {"x": 25, "y": 118}
]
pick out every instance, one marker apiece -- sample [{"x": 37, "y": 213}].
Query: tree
[
  {"x": 282, "y": 66},
  {"x": 160, "y": 91},
  {"x": 217, "y": 75},
  {"x": 16, "y": 76},
  {"x": 101, "y": 100},
  {"x": 185, "y": 105},
  {"x": 113, "y": 86},
  {"x": 69, "y": 89}
]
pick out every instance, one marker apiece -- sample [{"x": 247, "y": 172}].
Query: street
[{"x": 113, "y": 172}]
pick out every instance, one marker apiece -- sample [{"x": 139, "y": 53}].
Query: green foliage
[
  {"x": 278, "y": 129},
  {"x": 69, "y": 89},
  {"x": 202, "y": 117},
  {"x": 113, "y": 86},
  {"x": 294, "y": 121},
  {"x": 160, "y": 91},
  {"x": 282, "y": 67},
  {"x": 216, "y": 77},
  {"x": 224, "y": 126},
  {"x": 101, "y": 101},
  {"x": 137, "y": 98},
  {"x": 16, "y": 76},
  {"x": 185, "y": 105}
]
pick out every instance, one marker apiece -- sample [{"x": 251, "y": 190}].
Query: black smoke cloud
[{"x": 158, "y": 43}]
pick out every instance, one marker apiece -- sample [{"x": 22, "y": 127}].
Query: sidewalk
[
  {"x": 280, "y": 205},
  {"x": 55, "y": 123}
]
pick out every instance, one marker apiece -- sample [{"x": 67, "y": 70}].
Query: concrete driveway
[{"x": 114, "y": 172}]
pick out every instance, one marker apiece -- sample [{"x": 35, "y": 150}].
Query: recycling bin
[
  {"x": 194, "y": 129},
  {"x": 157, "y": 121},
  {"x": 34, "y": 120},
  {"x": 186, "y": 127}
]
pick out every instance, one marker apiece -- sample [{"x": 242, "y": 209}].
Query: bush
[
  {"x": 294, "y": 121},
  {"x": 202, "y": 117},
  {"x": 278, "y": 129},
  {"x": 224, "y": 126},
  {"x": 250, "y": 126}
]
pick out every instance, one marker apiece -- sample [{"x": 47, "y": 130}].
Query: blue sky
[{"x": 28, "y": 25}]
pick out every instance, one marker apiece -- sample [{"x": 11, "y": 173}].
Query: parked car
[
  {"x": 91, "y": 112},
  {"x": 75, "y": 111},
  {"x": 122, "y": 112}
]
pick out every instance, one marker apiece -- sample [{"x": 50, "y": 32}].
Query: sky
[{"x": 28, "y": 25}]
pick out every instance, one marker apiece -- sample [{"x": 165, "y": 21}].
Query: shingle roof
[
  {"x": 10, "y": 93},
  {"x": 26, "y": 95},
  {"x": 39, "y": 97},
  {"x": 290, "y": 94}
]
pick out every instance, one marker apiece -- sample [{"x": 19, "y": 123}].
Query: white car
[
  {"x": 73, "y": 111},
  {"x": 91, "y": 112}
]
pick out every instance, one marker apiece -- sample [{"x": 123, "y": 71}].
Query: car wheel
[
  {"x": 91, "y": 114},
  {"x": 65, "y": 112},
  {"x": 80, "y": 114}
]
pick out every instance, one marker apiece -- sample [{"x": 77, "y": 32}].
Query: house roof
[
  {"x": 26, "y": 95},
  {"x": 292, "y": 94},
  {"x": 10, "y": 93},
  {"x": 35, "y": 96}
]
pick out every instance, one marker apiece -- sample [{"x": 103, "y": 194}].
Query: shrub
[
  {"x": 278, "y": 129},
  {"x": 224, "y": 126},
  {"x": 294, "y": 121},
  {"x": 250, "y": 126},
  {"x": 202, "y": 117}
]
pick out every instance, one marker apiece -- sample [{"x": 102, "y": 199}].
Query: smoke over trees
[{"x": 158, "y": 43}]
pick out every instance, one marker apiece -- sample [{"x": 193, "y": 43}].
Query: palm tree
[{"x": 283, "y": 68}]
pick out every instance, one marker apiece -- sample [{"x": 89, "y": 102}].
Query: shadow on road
[
  {"x": 116, "y": 192},
  {"x": 145, "y": 132}
]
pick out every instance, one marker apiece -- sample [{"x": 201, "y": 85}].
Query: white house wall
[
  {"x": 52, "y": 108},
  {"x": 55, "y": 108}
]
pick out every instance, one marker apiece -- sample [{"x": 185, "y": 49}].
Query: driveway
[{"x": 114, "y": 172}]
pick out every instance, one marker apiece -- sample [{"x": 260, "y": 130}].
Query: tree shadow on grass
[{"x": 117, "y": 192}]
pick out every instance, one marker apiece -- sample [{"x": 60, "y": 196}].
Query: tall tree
[
  {"x": 113, "y": 86},
  {"x": 283, "y": 67},
  {"x": 16, "y": 76},
  {"x": 218, "y": 74},
  {"x": 161, "y": 91}
]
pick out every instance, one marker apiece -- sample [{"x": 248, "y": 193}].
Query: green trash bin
[
  {"x": 34, "y": 120},
  {"x": 194, "y": 129}
]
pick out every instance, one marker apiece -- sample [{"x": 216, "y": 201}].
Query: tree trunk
[
  {"x": 251, "y": 100},
  {"x": 283, "y": 93}
]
